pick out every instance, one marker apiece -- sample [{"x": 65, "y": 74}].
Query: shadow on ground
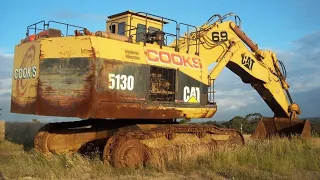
[
  {"x": 22, "y": 132},
  {"x": 1, "y": 176}
]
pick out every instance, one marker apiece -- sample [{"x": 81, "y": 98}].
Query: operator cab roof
[{"x": 139, "y": 14}]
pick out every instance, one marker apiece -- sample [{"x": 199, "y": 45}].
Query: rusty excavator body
[{"x": 129, "y": 85}]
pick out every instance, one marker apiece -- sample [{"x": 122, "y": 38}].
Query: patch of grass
[
  {"x": 275, "y": 159},
  {"x": 268, "y": 159},
  {"x": 8, "y": 148}
]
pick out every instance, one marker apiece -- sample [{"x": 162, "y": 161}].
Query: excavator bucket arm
[{"x": 226, "y": 44}]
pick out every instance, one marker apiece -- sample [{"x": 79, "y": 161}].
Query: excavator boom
[{"x": 225, "y": 44}]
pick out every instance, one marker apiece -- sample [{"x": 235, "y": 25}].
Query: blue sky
[
  {"x": 291, "y": 28},
  {"x": 272, "y": 23}
]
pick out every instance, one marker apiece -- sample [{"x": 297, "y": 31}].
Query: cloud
[
  {"x": 234, "y": 99},
  {"x": 228, "y": 103},
  {"x": 5, "y": 86},
  {"x": 234, "y": 92},
  {"x": 6, "y": 62},
  {"x": 302, "y": 63},
  {"x": 305, "y": 82},
  {"x": 308, "y": 49},
  {"x": 308, "y": 102}
]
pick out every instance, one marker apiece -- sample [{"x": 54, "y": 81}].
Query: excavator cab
[{"x": 138, "y": 26}]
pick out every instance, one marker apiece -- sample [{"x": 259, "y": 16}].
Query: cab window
[
  {"x": 121, "y": 28},
  {"x": 152, "y": 29},
  {"x": 112, "y": 28},
  {"x": 140, "y": 32}
]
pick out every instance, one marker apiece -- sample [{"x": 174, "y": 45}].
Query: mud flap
[{"x": 268, "y": 127}]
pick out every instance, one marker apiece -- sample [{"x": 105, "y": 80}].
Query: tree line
[{"x": 248, "y": 123}]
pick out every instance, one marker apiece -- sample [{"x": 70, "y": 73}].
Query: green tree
[
  {"x": 253, "y": 120},
  {"x": 238, "y": 121},
  {"x": 35, "y": 121},
  {"x": 184, "y": 121},
  {"x": 248, "y": 123},
  {"x": 215, "y": 123},
  {"x": 226, "y": 124}
]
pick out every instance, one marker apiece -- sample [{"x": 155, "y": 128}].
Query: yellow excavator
[{"x": 130, "y": 85}]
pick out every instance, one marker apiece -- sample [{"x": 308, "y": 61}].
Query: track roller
[
  {"x": 129, "y": 153},
  {"x": 135, "y": 149}
]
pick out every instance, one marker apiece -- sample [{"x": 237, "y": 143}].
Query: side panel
[
  {"x": 66, "y": 78},
  {"x": 128, "y": 90},
  {"x": 24, "y": 78},
  {"x": 91, "y": 77},
  {"x": 191, "y": 91},
  {"x": 65, "y": 86},
  {"x": 120, "y": 81}
]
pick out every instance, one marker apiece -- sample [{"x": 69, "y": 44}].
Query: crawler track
[
  {"x": 125, "y": 149},
  {"x": 126, "y": 143}
]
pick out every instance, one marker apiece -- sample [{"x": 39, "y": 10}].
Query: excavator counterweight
[{"x": 130, "y": 85}]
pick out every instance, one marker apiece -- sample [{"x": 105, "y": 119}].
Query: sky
[{"x": 290, "y": 28}]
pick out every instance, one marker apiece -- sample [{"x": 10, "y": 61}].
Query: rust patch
[
  {"x": 49, "y": 89},
  {"x": 93, "y": 54},
  {"x": 210, "y": 112},
  {"x": 65, "y": 87},
  {"x": 79, "y": 87},
  {"x": 17, "y": 107},
  {"x": 136, "y": 110}
]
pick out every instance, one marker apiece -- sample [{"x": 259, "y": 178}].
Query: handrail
[
  {"x": 235, "y": 18},
  {"x": 212, "y": 17},
  {"x": 161, "y": 19},
  {"x": 188, "y": 39},
  {"x": 45, "y": 26},
  {"x": 65, "y": 24},
  {"x": 35, "y": 27},
  {"x": 42, "y": 25}
]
